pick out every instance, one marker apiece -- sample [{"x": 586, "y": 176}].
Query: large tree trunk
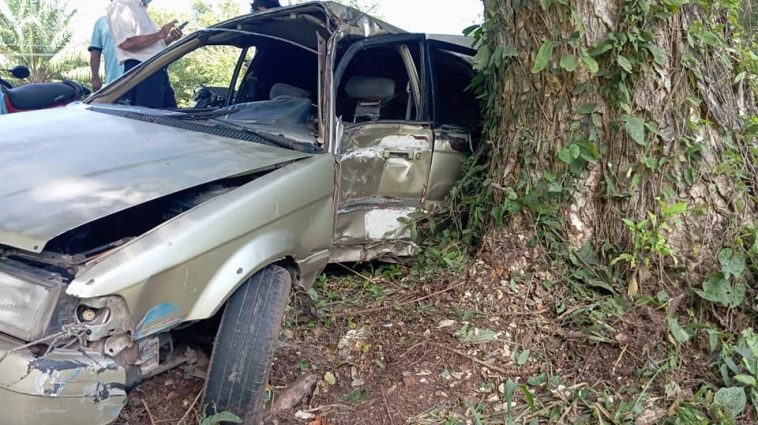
[{"x": 680, "y": 83}]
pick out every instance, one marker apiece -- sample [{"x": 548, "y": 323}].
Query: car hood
[{"x": 62, "y": 168}]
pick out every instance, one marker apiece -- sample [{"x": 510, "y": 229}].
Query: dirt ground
[{"x": 495, "y": 344}]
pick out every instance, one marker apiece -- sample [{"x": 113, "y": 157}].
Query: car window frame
[{"x": 422, "y": 77}]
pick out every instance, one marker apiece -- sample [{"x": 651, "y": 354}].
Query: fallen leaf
[
  {"x": 445, "y": 323},
  {"x": 329, "y": 378},
  {"x": 304, "y": 415}
]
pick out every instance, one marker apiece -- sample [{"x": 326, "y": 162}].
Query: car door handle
[{"x": 409, "y": 155}]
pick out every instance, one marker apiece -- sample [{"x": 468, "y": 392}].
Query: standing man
[
  {"x": 261, "y": 5},
  {"x": 102, "y": 44},
  {"x": 137, "y": 38}
]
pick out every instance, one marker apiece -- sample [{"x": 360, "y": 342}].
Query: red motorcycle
[{"x": 34, "y": 96}]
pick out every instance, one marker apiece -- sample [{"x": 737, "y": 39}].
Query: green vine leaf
[
  {"x": 569, "y": 154},
  {"x": 543, "y": 57},
  {"x": 568, "y": 62},
  {"x": 589, "y": 62},
  {"x": 635, "y": 127},
  {"x": 587, "y": 108},
  {"x": 732, "y": 263},
  {"x": 624, "y": 63},
  {"x": 659, "y": 55},
  {"x": 482, "y": 58}
]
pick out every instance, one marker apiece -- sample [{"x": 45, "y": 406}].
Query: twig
[
  {"x": 615, "y": 365},
  {"x": 413, "y": 347},
  {"x": 481, "y": 362},
  {"x": 328, "y": 407},
  {"x": 149, "y": 415},
  {"x": 387, "y": 407},
  {"x": 186, "y": 414},
  {"x": 357, "y": 274},
  {"x": 413, "y": 301}
]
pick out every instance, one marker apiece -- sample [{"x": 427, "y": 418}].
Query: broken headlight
[{"x": 26, "y": 306}]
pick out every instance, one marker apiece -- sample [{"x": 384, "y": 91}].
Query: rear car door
[{"x": 383, "y": 146}]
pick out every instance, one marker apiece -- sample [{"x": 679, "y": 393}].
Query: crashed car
[{"x": 128, "y": 234}]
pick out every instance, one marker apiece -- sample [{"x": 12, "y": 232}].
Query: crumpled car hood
[{"x": 62, "y": 168}]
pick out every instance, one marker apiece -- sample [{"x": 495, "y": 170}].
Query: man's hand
[
  {"x": 166, "y": 29},
  {"x": 174, "y": 35},
  {"x": 97, "y": 83}
]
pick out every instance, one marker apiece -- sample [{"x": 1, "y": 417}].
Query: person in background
[
  {"x": 137, "y": 38},
  {"x": 102, "y": 44},
  {"x": 261, "y": 5}
]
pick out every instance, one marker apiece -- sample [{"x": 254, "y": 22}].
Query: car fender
[{"x": 186, "y": 268}]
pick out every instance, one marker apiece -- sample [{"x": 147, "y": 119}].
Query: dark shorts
[{"x": 153, "y": 92}]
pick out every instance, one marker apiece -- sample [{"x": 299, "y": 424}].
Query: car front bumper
[{"x": 63, "y": 387}]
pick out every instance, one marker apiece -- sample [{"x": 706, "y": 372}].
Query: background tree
[{"x": 36, "y": 33}]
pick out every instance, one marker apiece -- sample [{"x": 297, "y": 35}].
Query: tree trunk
[{"x": 605, "y": 113}]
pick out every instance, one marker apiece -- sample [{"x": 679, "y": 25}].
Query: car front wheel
[{"x": 245, "y": 345}]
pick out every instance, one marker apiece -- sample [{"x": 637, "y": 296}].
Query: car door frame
[{"x": 389, "y": 235}]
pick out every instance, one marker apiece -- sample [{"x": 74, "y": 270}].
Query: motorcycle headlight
[{"x": 26, "y": 306}]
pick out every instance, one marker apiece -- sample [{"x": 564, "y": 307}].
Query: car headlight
[{"x": 26, "y": 306}]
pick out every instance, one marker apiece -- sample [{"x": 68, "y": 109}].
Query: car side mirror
[{"x": 20, "y": 72}]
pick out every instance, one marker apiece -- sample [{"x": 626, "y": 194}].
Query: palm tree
[{"x": 35, "y": 33}]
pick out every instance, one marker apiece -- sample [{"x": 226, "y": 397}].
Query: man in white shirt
[{"x": 137, "y": 39}]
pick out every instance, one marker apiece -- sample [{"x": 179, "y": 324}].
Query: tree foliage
[{"x": 36, "y": 33}]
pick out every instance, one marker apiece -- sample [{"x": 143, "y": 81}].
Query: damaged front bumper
[{"x": 63, "y": 387}]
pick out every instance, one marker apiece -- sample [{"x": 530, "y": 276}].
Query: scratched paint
[
  {"x": 387, "y": 224},
  {"x": 53, "y": 382},
  {"x": 159, "y": 318}
]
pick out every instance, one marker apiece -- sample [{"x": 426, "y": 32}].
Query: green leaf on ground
[
  {"x": 478, "y": 336},
  {"x": 355, "y": 396},
  {"x": 719, "y": 290},
  {"x": 679, "y": 333},
  {"x": 522, "y": 358},
  {"x": 746, "y": 379},
  {"x": 732, "y": 263},
  {"x": 220, "y": 418},
  {"x": 329, "y": 378},
  {"x": 730, "y": 400}
]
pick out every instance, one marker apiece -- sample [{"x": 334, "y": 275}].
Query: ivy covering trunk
[{"x": 622, "y": 129}]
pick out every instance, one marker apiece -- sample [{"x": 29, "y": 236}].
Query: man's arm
[
  {"x": 94, "y": 66},
  {"x": 139, "y": 42}
]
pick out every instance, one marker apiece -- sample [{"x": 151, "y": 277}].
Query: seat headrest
[
  {"x": 286, "y": 90},
  {"x": 373, "y": 88}
]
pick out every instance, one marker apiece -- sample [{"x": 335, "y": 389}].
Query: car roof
[{"x": 298, "y": 23}]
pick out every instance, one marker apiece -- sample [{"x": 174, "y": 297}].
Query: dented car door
[{"x": 384, "y": 153}]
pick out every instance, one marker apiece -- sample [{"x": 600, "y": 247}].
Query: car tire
[{"x": 245, "y": 344}]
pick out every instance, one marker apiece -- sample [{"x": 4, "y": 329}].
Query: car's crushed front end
[
  {"x": 56, "y": 373},
  {"x": 114, "y": 236}
]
